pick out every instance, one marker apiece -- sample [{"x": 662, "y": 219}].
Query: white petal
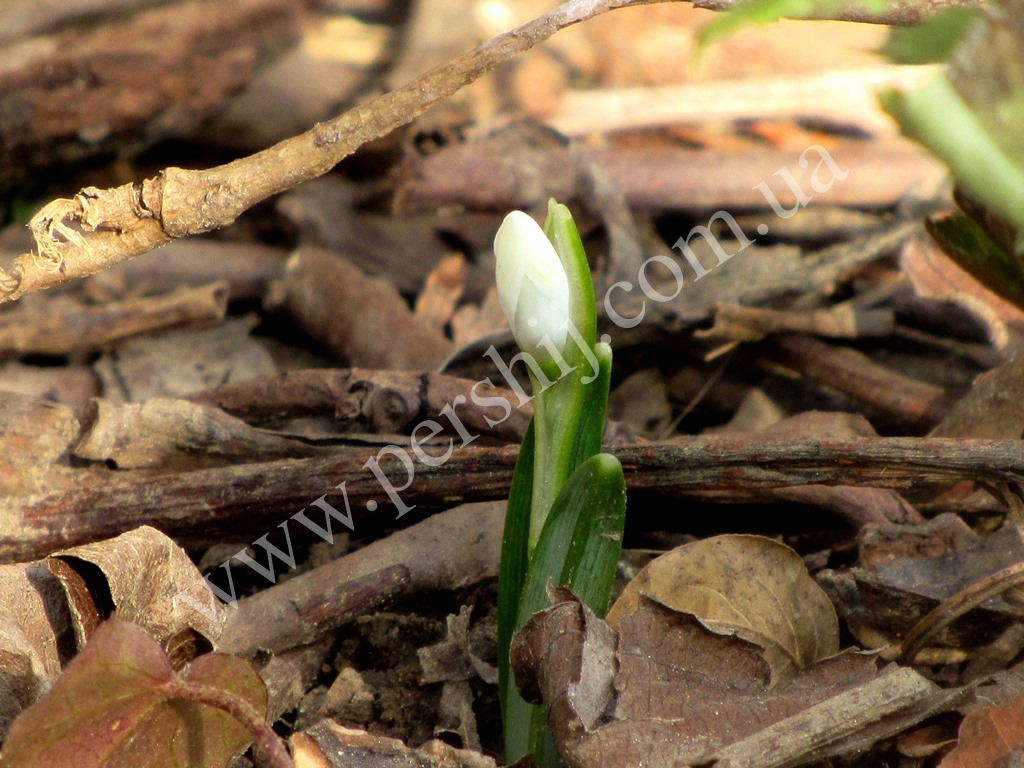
[{"x": 532, "y": 285}]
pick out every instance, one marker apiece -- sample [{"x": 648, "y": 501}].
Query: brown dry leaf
[
  {"x": 993, "y": 408},
  {"x": 329, "y": 745},
  {"x": 641, "y": 401},
  {"x": 749, "y": 586},
  {"x": 687, "y": 695},
  {"x": 179, "y": 363},
  {"x": 34, "y": 632},
  {"x": 989, "y": 738},
  {"x": 442, "y": 290},
  {"x": 143, "y": 575}
]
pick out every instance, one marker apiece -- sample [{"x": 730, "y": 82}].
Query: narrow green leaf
[
  {"x": 765, "y": 11},
  {"x": 579, "y": 546},
  {"x": 970, "y": 246},
  {"x": 514, "y": 556},
  {"x": 579, "y": 549},
  {"x": 932, "y": 40}
]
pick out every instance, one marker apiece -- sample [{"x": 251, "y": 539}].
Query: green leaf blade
[
  {"x": 579, "y": 549},
  {"x": 758, "y": 12},
  {"x": 514, "y": 556},
  {"x": 933, "y": 40}
]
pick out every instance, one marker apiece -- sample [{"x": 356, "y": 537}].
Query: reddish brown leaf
[
  {"x": 118, "y": 703},
  {"x": 988, "y": 737}
]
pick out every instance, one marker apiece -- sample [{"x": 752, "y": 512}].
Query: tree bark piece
[
  {"x": 248, "y": 500},
  {"x": 360, "y": 319}
]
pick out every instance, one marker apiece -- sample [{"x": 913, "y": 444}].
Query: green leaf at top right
[{"x": 934, "y": 39}]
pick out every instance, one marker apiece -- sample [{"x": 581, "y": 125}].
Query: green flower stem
[
  {"x": 556, "y": 412},
  {"x": 936, "y": 116}
]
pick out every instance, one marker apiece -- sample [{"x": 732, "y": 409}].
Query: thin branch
[
  {"x": 250, "y": 499},
  {"x": 102, "y": 227}
]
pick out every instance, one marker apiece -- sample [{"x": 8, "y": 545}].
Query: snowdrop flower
[{"x": 533, "y": 289}]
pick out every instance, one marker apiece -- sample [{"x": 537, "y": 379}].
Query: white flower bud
[{"x": 533, "y": 289}]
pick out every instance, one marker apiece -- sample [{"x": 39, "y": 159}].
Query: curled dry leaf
[
  {"x": 49, "y": 608},
  {"x": 749, "y": 586},
  {"x": 33, "y": 623},
  {"x": 683, "y": 695},
  {"x": 143, "y": 575},
  {"x": 935, "y": 276},
  {"x": 119, "y": 703}
]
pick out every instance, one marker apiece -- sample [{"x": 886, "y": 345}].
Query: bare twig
[
  {"x": 846, "y": 97},
  {"x": 951, "y": 609},
  {"x": 101, "y": 227},
  {"x": 488, "y": 173},
  {"x": 251, "y": 499},
  {"x": 447, "y": 551}
]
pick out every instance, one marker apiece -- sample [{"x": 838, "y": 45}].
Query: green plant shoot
[{"x": 567, "y": 504}]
